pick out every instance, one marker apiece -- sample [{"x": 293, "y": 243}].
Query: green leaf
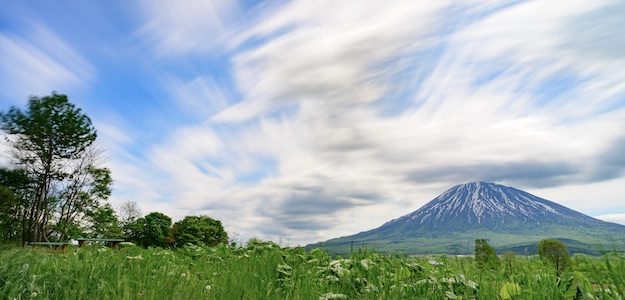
[{"x": 509, "y": 290}]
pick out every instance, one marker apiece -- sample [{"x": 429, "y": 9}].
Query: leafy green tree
[
  {"x": 49, "y": 138},
  {"x": 104, "y": 223},
  {"x": 151, "y": 230},
  {"x": 485, "y": 255},
  {"x": 199, "y": 230},
  {"x": 8, "y": 210},
  {"x": 555, "y": 253},
  {"x": 15, "y": 188}
]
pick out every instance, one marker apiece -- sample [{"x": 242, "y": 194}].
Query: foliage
[
  {"x": 262, "y": 270},
  {"x": 554, "y": 252},
  {"x": 485, "y": 255},
  {"x": 51, "y": 142},
  {"x": 104, "y": 223},
  {"x": 14, "y": 190},
  {"x": 199, "y": 230},
  {"x": 508, "y": 262},
  {"x": 8, "y": 217},
  {"x": 509, "y": 290},
  {"x": 82, "y": 194},
  {"x": 151, "y": 230}
]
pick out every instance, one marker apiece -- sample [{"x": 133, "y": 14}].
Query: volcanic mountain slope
[{"x": 510, "y": 218}]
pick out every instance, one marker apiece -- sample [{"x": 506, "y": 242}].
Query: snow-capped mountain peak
[
  {"x": 508, "y": 217},
  {"x": 488, "y": 204}
]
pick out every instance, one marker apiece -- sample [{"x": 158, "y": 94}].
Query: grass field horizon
[{"x": 263, "y": 270}]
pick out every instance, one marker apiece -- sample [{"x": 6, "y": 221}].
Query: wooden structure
[
  {"x": 54, "y": 245},
  {"x": 114, "y": 243}
]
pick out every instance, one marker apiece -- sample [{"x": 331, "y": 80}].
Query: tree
[
  {"x": 104, "y": 223},
  {"x": 485, "y": 255},
  {"x": 151, "y": 230},
  {"x": 8, "y": 210},
  {"x": 15, "y": 188},
  {"x": 80, "y": 194},
  {"x": 554, "y": 252},
  {"x": 199, "y": 230},
  {"x": 47, "y": 137},
  {"x": 129, "y": 212}
]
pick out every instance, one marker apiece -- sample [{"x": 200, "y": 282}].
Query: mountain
[{"x": 513, "y": 220}]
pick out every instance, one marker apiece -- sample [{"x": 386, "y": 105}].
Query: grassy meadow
[{"x": 266, "y": 271}]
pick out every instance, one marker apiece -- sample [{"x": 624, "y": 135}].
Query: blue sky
[{"x": 305, "y": 120}]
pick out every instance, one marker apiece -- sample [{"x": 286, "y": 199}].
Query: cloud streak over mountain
[{"x": 306, "y": 120}]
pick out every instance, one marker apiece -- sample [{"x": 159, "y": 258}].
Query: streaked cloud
[
  {"x": 177, "y": 28},
  {"x": 615, "y": 218},
  {"x": 37, "y": 61},
  {"x": 305, "y": 120}
]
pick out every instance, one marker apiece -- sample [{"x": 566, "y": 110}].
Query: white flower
[
  {"x": 332, "y": 296},
  {"x": 435, "y": 263}
]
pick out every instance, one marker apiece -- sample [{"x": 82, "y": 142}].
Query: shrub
[
  {"x": 554, "y": 252},
  {"x": 199, "y": 230},
  {"x": 150, "y": 230}
]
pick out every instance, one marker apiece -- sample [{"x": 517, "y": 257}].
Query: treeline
[
  {"x": 156, "y": 230},
  {"x": 55, "y": 187}
]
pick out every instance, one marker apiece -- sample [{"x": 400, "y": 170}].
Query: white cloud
[
  {"x": 200, "y": 96},
  {"x": 338, "y": 55},
  {"x": 614, "y": 218},
  {"x": 38, "y": 63},
  {"x": 366, "y": 110},
  {"x": 181, "y": 27}
]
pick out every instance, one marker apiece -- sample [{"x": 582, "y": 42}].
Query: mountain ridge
[{"x": 506, "y": 215}]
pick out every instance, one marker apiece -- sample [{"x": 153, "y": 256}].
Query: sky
[{"x": 304, "y": 120}]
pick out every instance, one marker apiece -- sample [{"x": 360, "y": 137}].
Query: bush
[
  {"x": 199, "y": 230},
  {"x": 485, "y": 255},
  {"x": 150, "y": 230},
  {"x": 555, "y": 253}
]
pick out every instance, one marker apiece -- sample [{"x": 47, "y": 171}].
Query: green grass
[{"x": 265, "y": 271}]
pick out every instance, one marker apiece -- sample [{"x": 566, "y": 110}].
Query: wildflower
[
  {"x": 208, "y": 287},
  {"x": 435, "y": 263},
  {"x": 370, "y": 288},
  {"x": 138, "y": 257},
  {"x": 337, "y": 268},
  {"x": 365, "y": 263},
  {"x": 332, "y": 296}
]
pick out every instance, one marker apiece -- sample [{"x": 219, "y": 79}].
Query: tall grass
[{"x": 265, "y": 271}]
